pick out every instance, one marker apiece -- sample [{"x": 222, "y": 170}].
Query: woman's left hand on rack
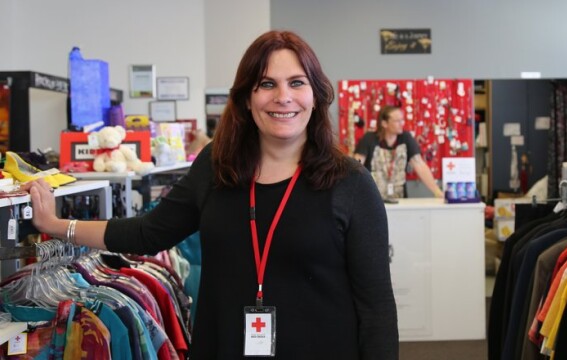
[{"x": 43, "y": 203}]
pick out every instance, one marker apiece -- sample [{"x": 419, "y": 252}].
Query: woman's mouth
[{"x": 280, "y": 115}]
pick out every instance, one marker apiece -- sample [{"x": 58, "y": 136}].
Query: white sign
[
  {"x": 458, "y": 170},
  {"x": 517, "y": 140},
  {"x": 530, "y": 75},
  {"x": 542, "y": 123},
  {"x": 512, "y": 129}
]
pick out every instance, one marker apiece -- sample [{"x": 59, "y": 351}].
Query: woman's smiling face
[{"x": 282, "y": 103}]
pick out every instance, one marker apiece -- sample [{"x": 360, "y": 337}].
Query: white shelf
[
  {"x": 110, "y": 176},
  {"x": 430, "y": 204},
  {"x": 129, "y": 174},
  {"x": 10, "y": 330},
  {"x": 73, "y": 188},
  {"x": 176, "y": 166},
  {"x": 163, "y": 169}
]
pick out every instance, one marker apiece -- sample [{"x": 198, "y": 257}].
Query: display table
[{"x": 437, "y": 265}]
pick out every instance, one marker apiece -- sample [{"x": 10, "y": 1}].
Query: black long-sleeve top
[{"x": 327, "y": 272}]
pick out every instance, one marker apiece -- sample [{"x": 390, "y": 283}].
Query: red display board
[
  {"x": 438, "y": 112},
  {"x": 74, "y": 147}
]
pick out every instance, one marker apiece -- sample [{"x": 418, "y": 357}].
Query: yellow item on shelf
[{"x": 24, "y": 172}]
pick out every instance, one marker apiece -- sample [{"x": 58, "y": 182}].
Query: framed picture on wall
[
  {"x": 172, "y": 88},
  {"x": 163, "y": 111},
  {"x": 142, "y": 81}
]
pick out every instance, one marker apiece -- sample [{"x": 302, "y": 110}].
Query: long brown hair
[
  {"x": 384, "y": 116},
  {"x": 236, "y": 145}
]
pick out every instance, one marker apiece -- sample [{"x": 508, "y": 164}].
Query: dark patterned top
[{"x": 388, "y": 165}]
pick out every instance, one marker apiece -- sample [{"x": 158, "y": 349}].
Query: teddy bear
[{"x": 113, "y": 156}]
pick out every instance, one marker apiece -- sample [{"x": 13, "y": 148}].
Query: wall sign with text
[{"x": 405, "y": 41}]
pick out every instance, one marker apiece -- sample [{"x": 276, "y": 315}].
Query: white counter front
[{"x": 437, "y": 264}]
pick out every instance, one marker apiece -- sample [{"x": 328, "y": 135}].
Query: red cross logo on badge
[
  {"x": 258, "y": 324},
  {"x": 450, "y": 166}
]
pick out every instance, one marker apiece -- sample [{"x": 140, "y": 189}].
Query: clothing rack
[
  {"x": 10, "y": 253},
  {"x": 562, "y": 195}
]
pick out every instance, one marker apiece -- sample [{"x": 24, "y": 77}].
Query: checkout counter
[{"x": 437, "y": 265}]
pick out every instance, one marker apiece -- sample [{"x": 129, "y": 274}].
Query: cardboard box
[
  {"x": 504, "y": 228},
  {"x": 74, "y": 147},
  {"x": 506, "y": 208}
]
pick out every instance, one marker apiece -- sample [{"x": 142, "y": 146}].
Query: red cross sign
[{"x": 258, "y": 324}]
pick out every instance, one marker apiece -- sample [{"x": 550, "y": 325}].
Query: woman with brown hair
[{"x": 272, "y": 182}]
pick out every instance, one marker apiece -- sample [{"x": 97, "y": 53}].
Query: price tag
[
  {"x": 93, "y": 140},
  {"x": 12, "y": 229},
  {"x": 390, "y": 190},
  {"x": 27, "y": 212}
]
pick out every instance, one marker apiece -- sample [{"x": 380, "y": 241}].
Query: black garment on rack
[
  {"x": 525, "y": 261},
  {"x": 525, "y": 213},
  {"x": 514, "y": 265},
  {"x": 497, "y": 318}
]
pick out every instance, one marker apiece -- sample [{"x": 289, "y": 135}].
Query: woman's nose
[{"x": 282, "y": 96}]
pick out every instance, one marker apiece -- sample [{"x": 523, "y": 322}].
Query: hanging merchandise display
[{"x": 438, "y": 113}]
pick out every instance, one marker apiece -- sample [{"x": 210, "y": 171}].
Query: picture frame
[
  {"x": 172, "y": 88},
  {"x": 161, "y": 111},
  {"x": 142, "y": 81}
]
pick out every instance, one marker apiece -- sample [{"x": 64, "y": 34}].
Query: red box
[{"x": 74, "y": 147}]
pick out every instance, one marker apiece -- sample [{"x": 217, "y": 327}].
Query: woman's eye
[
  {"x": 296, "y": 83},
  {"x": 266, "y": 84}
]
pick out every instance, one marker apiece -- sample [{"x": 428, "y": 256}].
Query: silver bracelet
[{"x": 71, "y": 232}]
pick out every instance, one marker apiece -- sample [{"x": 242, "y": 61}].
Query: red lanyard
[
  {"x": 261, "y": 262},
  {"x": 392, "y": 161}
]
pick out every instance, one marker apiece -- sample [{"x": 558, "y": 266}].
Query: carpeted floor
[{"x": 446, "y": 350}]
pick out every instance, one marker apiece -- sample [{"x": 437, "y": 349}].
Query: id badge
[
  {"x": 390, "y": 190},
  {"x": 260, "y": 331}
]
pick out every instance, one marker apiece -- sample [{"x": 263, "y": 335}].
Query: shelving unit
[
  {"x": 483, "y": 109},
  {"x": 38, "y": 108},
  {"x": 126, "y": 179},
  {"x": 10, "y": 253}
]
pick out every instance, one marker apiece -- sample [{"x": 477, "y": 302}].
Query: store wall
[
  {"x": 203, "y": 40},
  {"x": 227, "y": 36},
  {"x": 484, "y": 39},
  {"x": 5, "y": 26},
  {"x": 519, "y": 102},
  {"x": 481, "y": 39},
  {"x": 169, "y": 35}
]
